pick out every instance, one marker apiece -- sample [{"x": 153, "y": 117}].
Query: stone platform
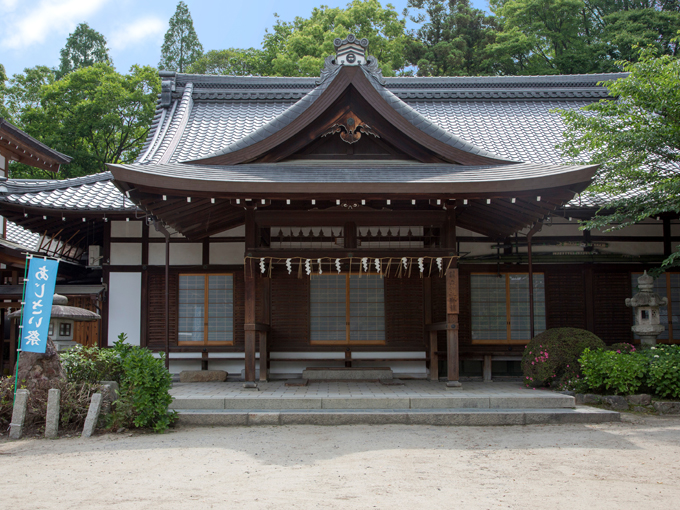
[
  {"x": 347, "y": 374},
  {"x": 416, "y": 401}
]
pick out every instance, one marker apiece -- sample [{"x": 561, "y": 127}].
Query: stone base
[
  {"x": 191, "y": 376},
  {"x": 347, "y": 374},
  {"x": 297, "y": 382}
]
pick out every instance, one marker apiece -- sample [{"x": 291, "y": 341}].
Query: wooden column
[
  {"x": 350, "y": 234},
  {"x": 265, "y": 285},
  {"x": 431, "y": 336},
  {"x": 667, "y": 245},
  {"x": 452, "y": 311},
  {"x": 250, "y": 296},
  {"x": 250, "y": 332}
]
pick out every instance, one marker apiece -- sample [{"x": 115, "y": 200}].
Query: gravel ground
[{"x": 635, "y": 464}]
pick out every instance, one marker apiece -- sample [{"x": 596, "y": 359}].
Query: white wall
[
  {"x": 125, "y": 306},
  {"x": 227, "y": 253},
  {"x": 126, "y": 254},
  {"x": 181, "y": 254},
  {"x": 126, "y": 229}
]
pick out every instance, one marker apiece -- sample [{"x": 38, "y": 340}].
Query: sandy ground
[{"x": 615, "y": 466}]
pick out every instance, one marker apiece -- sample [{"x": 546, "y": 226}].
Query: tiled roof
[
  {"x": 22, "y": 237},
  {"x": 384, "y": 176},
  {"x": 506, "y": 117},
  {"x": 93, "y": 193}
]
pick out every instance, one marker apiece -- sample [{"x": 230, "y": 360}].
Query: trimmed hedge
[{"x": 551, "y": 358}]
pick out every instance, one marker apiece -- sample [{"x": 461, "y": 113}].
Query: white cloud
[
  {"x": 136, "y": 32},
  {"x": 8, "y": 5},
  {"x": 35, "y": 23}
]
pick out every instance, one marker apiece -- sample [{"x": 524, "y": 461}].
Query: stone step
[
  {"x": 546, "y": 400},
  {"x": 347, "y": 374},
  {"x": 458, "y": 417}
]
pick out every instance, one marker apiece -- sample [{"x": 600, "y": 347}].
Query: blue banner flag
[{"x": 38, "y": 295}]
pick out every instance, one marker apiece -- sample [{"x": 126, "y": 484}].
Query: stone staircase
[{"x": 344, "y": 403}]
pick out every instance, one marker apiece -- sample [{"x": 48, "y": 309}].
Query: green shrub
[
  {"x": 144, "y": 389},
  {"x": 6, "y": 401},
  {"x": 622, "y": 348},
  {"x": 609, "y": 371},
  {"x": 144, "y": 382},
  {"x": 551, "y": 358},
  {"x": 91, "y": 365},
  {"x": 663, "y": 370}
]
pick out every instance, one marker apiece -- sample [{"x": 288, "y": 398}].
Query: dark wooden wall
[{"x": 587, "y": 296}]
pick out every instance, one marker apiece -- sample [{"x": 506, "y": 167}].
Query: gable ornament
[{"x": 350, "y": 129}]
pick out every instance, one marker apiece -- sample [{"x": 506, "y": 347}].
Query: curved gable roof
[{"x": 369, "y": 83}]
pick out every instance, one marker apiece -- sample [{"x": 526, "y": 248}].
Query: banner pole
[{"x": 21, "y": 330}]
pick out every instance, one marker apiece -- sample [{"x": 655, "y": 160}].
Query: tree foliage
[
  {"x": 3, "y": 92},
  {"x": 453, "y": 41},
  {"x": 579, "y": 36},
  {"x": 95, "y": 115},
  {"x": 84, "y": 47},
  {"x": 22, "y": 92},
  {"x": 636, "y": 139},
  {"x": 298, "y": 48},
  {"x": 232, "y": 61},
  {"x": 181, "y": 46}
]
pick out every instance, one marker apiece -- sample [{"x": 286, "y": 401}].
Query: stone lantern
[
  {"x": 646, "y": 304},
  {"x": 61, "y": 324}
]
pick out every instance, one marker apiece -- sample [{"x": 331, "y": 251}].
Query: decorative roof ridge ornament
[{"x": 351, "y": 52}]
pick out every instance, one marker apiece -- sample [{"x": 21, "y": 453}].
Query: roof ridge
[{"x": 33, "y": 185}]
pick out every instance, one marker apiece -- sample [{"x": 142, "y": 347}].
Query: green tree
[
  {"x": 181, "y": 46},
  {"x": 23, "y": 90},
  {"x": 636, "y": 139},
  {"x": 84, "y": 47},
  {"x": 453, "y": 41},
  {"x": 626, "y": 29},
  {"x": 3, "y": 92},
  {"x": 232, "y": 61},
  {"x": 544, "y": 37},
  {"x": 298, "y": 48},
  {"x": 579, "y": 36},
  {"x": 95, "y": 115}
]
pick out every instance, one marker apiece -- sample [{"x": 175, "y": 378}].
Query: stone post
[
  {"x": 19, "y": 414},
  {"x": 92, "y": 415},
  {"x": 52, "y": 418}
]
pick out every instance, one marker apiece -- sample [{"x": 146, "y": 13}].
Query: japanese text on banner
[{"x": 39, "y": 291}]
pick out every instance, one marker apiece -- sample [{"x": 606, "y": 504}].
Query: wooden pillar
[
  {"x": 589, "y": 301},
  {"x": 449, "y": 237},
  {"x": 667, "y": 245},
  {"x": 430, "y": 336},
  {"x": 250, "y": 332},
  {"x": 350, "y": 235},
  {"x": 250, "y": 296},
  {"x": 452, "y": 311},
  {"x": 266, "y": 285}
]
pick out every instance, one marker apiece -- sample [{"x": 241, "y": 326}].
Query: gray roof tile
[{"x": 93, "y": 193}]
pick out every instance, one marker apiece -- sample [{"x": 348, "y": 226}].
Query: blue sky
[{"x": 33, "y": 31}]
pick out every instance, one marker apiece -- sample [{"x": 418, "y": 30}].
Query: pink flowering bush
[{"x": 552, "y": 357}]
